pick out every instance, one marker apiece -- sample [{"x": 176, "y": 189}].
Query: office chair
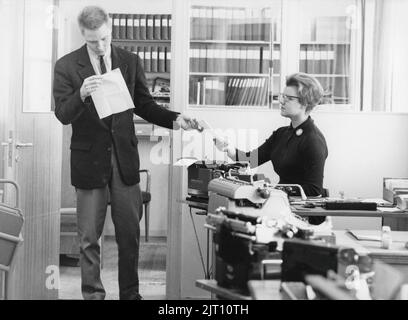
[{"x": 146, "y": 198}]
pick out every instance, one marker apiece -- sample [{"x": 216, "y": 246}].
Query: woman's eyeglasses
[{"x": 282, "y": 98}]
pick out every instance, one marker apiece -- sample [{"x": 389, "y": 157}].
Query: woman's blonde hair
[{"x": 309, "y": 89}]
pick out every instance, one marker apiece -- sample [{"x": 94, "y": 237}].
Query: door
[{"x": 31, "y": 139}]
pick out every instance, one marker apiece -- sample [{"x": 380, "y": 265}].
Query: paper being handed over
[{"x": 113, "y": 95}]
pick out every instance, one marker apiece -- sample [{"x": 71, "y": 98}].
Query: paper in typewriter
[{"x": 113, "y": 95}]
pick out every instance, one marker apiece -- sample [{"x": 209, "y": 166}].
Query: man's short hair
[{"x": 92, "y": 18}]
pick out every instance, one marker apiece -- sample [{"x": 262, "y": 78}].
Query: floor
[{"x": 152, "y": 271}]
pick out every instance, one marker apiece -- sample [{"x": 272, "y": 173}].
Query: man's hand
[
  {"x": 90, "y": 85},
  {"x": 188, "y": 123}
]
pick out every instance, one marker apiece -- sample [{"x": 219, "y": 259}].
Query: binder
[
  {"x": 228, "y": 90},
  {"x": 154, "y": 59},
  {"x": 169, "y": 26},
  {"x": 210, "y": 60},
  {"x": 257, "y": 24},
  {"x": 147, "y": 59},
  {"x": 318, "y": 60},
  {"x": 140, "y": 53},
  {"x": 330, "y": 58},
  {"x": 162, "y": 59},
  {"x": 258, "y": 91},
  {"x": 230, "y": 60},
  {"x": 242, "y": 60},
  {"x": 247, "y": 25},
  {"x": 194, "y": 58},
  {"x": 233, "y": 89},
  {"x": 276, "y": 62},
  {"x": 266, "y": 60},
  {"x": 252, "y": 60},
  {"x": 221, "y": 92},
  {"x": 235, "y": 60},
  {"x": 266, "y": 24},
  {"x": 244, "y": 92},
  {"x": 192, "y": 92},
  {"x": 164, "y": 28},
  {"x": 201, "y": 24},
  {"x": 207, "y": 87},
  {"x": 208, "y": 24},
  {"x": 302, "y": 59},
  {"x": 142, "y": 28},
  {"x": 229, "y": 21},
  {"x": 241, "y": 24},
  {"x": 223, "y": 60},
  {"x": 157, "y": 27},
  {"x": 202, "y": 60},
  {"x": 310, "y": 59},
  {"x": 215, "y": 23},
  {"x": 235, "y": 24},
  {"x": 129, "y": 26},
  {"x": 168, "y": 58},
  {"x": 247, "y": 92},
  {"x": 122, "y": 26},
  {"x": 324, "y": 56},
  {"x": 217, "y": 64},
  {"x": 136, "y": 27},
  {"x": 149, "y": 27},
  {"x": 115, "y": 26}
]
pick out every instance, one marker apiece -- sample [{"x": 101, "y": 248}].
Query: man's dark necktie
[
  {"x": 103, "y": 66},
  {"x": 107, "y": 120}
]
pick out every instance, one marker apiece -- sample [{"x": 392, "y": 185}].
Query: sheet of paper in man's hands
[{"x": 113, "y": 95}]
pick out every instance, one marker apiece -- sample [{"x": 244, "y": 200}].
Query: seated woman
[{"x": 298, "y": 152}]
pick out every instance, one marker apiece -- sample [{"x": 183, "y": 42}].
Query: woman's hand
[{"x": 221, "y": 144}]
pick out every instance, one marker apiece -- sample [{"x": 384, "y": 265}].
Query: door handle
[{"x": 20, "y": 145}]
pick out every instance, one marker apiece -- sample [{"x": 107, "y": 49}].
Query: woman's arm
[
  {"x": 314, "y": 156},
  {"x": 255, "y": 157}
]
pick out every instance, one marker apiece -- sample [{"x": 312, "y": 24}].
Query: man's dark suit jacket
[{"x": 92, "y": 138}]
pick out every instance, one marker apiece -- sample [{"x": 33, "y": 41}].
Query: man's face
[{"x": 98, "y": 40}]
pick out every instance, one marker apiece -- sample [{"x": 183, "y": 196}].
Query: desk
[
  {"x": 229, "y": 294},
  {"x": 396, "y": 256},
  {"x": 299, "y": 210},
  {"x": 200, "y": 206},
  {"x": 259, "y": 290}
]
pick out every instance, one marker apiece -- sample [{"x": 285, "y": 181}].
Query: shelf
[
  {"x": 226, "y": 106},
  {"x": 324, "y": 43},
  {"x": 259, "y": 75},
  {"x": 329, "y": 75},
  {"x": 139, "y": 40},
  {"x": 249, "y": 42}
]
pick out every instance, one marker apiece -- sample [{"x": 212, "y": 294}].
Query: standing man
[{"x": 104, "y": 154}]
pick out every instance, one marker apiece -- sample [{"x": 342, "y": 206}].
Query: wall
[{"x": 70, "y": 39}]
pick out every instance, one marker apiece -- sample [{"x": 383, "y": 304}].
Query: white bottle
[{"x": 386, "y": 239}]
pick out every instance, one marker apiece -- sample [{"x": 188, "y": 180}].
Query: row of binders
[
  {"x": 337, "y": 88},
  {"x": 141, "y": 26},
  {"x": 237, "y": 59},
  {"x": 154, "y": 58},
  {"x": 237, "y": 91},
  {"x": 326, "y": 59},
  {"x": 215, "y": 23}
]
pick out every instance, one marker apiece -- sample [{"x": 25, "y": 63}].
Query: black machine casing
[
  {"x": 300, "y": 258},
  {"x": 239, "y": 260},
  {"x": 201, "y": 173}
]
